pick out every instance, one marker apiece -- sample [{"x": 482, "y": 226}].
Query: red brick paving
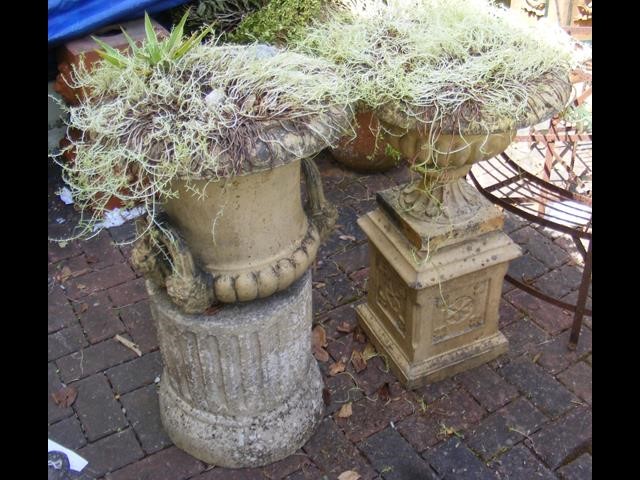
[{"x": 525, "y": 415}]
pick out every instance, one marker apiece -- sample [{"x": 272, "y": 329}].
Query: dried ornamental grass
[
  {"x": 448, "y": 66},
  {"x": 200, "y": 116}
]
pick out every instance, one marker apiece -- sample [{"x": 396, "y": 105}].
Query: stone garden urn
[
  {"x": 438, "y": 255},
  {"x": 230, "y": 291}
]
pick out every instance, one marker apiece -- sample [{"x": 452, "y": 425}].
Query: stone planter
[
  {"x": 438, "y": 255},
  {"x": 249, "y": 248},
  {"x": 439, "y": 192},
  {"x": 244, "y": 237},
  {"x": 230, "y": 292},
  {"x": 367, "y": 152}
]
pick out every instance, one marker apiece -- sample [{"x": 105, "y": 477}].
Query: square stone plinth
[{"x": 434, "y": 312}]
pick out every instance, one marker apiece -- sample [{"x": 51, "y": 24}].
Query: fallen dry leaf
[
  {"x": 84, "y": 307},
  {"x": 320, "y": 354},
  {"x": 318, "y": 336},
  {"x": 369, "y": 352},
  {"x": 213, "y": 309},
  {"x": 447, "y": 431},
  {"x": 318, "y": 342},
  {"x": 65, "y": 396},
  {"x": 359, "y": 363},
  {"x": 345, "y": 411},
  {"x": 345, "y": 327},
  {"x": 64, "y": 274},
  {"x": 347, "y": 237},
  {"x": 336, "y": 368},
  {"x": 319, "y": 284},
  {"x": 82, "y": 286},
  {"x": 360, "y": 276},
  {"x": 349, "y": 475},
  {"x": 129, "y": 344}
]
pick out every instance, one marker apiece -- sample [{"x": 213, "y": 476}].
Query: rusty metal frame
[
  {"x": 529, "y": 197},
  {"x": 532, "y": 197}
]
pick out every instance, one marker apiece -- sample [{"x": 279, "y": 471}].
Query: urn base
[
  {"x": 235, "y": 441},
  {"x": 240, "y": 387}
]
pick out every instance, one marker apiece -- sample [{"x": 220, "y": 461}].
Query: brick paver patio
[{"x": 526, "y": 415}]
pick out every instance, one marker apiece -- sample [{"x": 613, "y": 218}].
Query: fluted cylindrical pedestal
[{"x": 240, "y": 388}]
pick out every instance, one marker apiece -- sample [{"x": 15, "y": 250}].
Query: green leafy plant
[
  {"x": 280, "y": 22},
  {"x": 153, "y": 51},
  {"x": 390, "y": 151},
  {"x": 580, "y": 116},
  {"x": 224, "y": 14}
]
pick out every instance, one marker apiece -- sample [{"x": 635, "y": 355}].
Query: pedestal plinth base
[
  {"x": 434, "y": 289},
  {"x": 240, "y": 387},
  {"x": 244, "y": 441},
  {"x": 431, "y": 369}
]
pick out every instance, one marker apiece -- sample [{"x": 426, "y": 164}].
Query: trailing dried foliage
[
  {"x": 438, "y": 60},
  {"x": 197, "y": 116}
]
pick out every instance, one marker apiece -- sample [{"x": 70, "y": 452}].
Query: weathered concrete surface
[
  {"x": 228, "y": 243},
  {"x": 235, "y": 239},
  {"x": 240, "y": 387},
  {"x": 433, "y": 309}
]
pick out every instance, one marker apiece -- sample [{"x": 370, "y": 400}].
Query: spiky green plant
[
  {"x": 580, "y": 116},
  {"x": 153, "y": 51}
]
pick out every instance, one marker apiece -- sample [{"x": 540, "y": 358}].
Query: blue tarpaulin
[{"x": 70, "y": 19}]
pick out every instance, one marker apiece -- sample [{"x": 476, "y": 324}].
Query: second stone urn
[
  {"x": 228, "y": 277},
  {"x": 438, "y": 255}
]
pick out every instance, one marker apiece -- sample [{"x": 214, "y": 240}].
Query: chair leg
[{"x": 582, "y": 301}]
